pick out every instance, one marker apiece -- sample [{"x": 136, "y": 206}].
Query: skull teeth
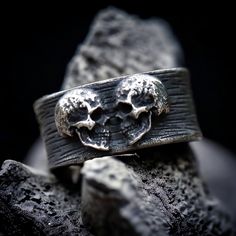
[
  {"x": 99, "y": 140},
  {"x": 102, "y": 135},
  {"x": 130, "y": 128}
]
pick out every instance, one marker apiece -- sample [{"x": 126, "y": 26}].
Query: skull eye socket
[
  {"x": 148, "y": 99},
  {"x": 78, "y": 115},
  {"x": 97, "y": 114},
  {"x": 125, "y": 108},
  {"x": 143, "y": 100}
]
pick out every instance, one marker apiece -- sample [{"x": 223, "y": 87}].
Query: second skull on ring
[{"x": 82, "y": 112}]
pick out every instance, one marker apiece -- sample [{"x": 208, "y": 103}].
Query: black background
[{"x": 38, "y": 43}]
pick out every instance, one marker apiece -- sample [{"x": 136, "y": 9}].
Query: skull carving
[
  {"x": 138, "y": 97},
  {"x": 98, "y": 124},
  {"x": 80, "y": 112}
]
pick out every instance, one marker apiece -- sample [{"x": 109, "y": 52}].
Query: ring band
[{"x": 118, "y": 115}]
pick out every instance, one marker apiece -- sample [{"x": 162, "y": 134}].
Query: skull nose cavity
[
  {"x": 90, "y": 123},
  {"x": 114, "y": 121}
]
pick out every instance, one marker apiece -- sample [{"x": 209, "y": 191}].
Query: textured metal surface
[
  {"x": 179, "y": 125},
  {"x": 101, "y": 125}
]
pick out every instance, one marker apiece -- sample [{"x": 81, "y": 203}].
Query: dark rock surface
[
  {"x": 158, "y": 193},
  {"x": 36, "y": 204}
]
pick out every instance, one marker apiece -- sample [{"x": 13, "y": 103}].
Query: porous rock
[
  {"x": 158, "y": 192},
  {"x": 35, "y": 204}
]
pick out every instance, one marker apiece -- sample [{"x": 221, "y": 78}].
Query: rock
[
  {"x": 36, "y": 204},
  {"x": 157, "y": 193},
  {"x": 120, "y": 44}
]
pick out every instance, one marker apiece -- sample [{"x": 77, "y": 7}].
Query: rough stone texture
[
  {"x": 222, "y": 186},
  {"x": 119, "y": 44},
  {"x": 159, "y": 193},
  {"x": 36, "y": 204}
]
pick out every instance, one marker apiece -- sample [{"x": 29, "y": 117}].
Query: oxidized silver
[
  {"x": 80, "y": 112},
  {"x": 138, "y": 98},
  {"x": 119, "y": 115}
]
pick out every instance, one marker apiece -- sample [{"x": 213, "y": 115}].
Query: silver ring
[{"x": 118, "y": 115}]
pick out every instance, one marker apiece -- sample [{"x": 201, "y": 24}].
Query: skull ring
[
  {"x": 119, "y": 115},
  {"x": 83, "y": 112}
]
